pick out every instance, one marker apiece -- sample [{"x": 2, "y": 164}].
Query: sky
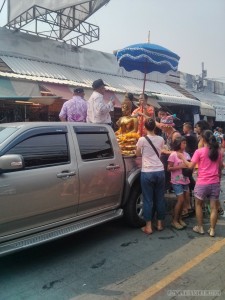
[{"x": 193, "y": 29}]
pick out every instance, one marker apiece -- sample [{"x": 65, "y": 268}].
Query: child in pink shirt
[{"x": 179, "y": 182}]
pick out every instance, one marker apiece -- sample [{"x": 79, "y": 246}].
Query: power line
[{"x": 2, "y": 6}]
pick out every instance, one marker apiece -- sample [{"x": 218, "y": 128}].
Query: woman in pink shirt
[{"x": 210, "y": 164}]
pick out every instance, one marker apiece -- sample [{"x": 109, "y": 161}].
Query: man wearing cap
[
  {"x": 75, "y": 109},
  {"x": 98, "y": 111}
]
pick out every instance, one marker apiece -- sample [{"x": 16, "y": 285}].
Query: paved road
[{"x": 113, "y": 261}]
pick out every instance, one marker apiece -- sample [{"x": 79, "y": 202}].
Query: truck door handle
[
  {"x": 112, "y": 167},
  {"x": 66, "y": 174}
]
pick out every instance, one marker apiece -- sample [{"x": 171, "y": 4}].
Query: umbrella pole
[
  {"x": 143, "y": 91},
  {"x": 142, "y": 120},
  {"x": 144, "y": 83}
]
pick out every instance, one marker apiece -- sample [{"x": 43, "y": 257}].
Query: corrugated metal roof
[
  {"x": 209, "y": 98},
  {"x": 55, "y": 73},
  {"x": 167, "y": 99},
  {"x": 42, "y": 79}
]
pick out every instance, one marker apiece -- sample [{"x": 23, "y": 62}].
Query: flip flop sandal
[
  {"x": 198, "y": 230},
  {"x": 211, "y": 232},
  {"x": 143, "y": 229},
  {"x": 177, "y": 226}
]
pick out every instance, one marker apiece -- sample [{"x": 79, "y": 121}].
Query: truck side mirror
[{"x": 11, "y": 162}]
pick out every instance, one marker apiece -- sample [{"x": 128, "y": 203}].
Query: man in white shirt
[{"x": 98, "y": 110}]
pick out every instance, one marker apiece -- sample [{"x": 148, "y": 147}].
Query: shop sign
[{"x": 220, "y": 114}]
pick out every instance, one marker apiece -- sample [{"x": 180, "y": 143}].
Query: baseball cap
[
  {"x": 78, "y": 90},
  {"x": 98, "y": 83}
]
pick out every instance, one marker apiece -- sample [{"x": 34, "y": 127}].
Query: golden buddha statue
[
  {"x": 127, "y": 123},
  {"x": 127, "y": 134}
]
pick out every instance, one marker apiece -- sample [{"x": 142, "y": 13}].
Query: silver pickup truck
[{"x": 60, "y": 178}]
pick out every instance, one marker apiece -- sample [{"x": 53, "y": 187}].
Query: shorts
[
  {"x": 211, "y": 191},
  {"x": 179, "y": 189}
]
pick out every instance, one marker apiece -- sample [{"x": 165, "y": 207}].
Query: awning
[
  {"x": 62, "y": 91},
  {"x": 176, "y": 100},
  {"x": 26, "y": 88},
  {"x": 207, "y": 110},
  {"x": 18, "y": 89},
  {"x": 6, "y": 89}
]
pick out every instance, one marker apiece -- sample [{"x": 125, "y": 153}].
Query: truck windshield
[{"x": 5, "y": 132}]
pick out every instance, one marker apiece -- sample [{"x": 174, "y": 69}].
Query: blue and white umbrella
[{"x": 147, "y": 58}]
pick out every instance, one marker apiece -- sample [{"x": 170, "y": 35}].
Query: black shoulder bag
[{"x": 154, "y": 148}]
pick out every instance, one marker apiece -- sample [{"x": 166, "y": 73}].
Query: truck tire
[{"x": 133, "y": 210}]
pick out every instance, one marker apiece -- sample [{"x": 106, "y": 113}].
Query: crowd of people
[{"x": 171, "y": 158}]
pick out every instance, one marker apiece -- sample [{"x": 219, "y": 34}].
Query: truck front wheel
[{"x": 133, "y": 210}]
